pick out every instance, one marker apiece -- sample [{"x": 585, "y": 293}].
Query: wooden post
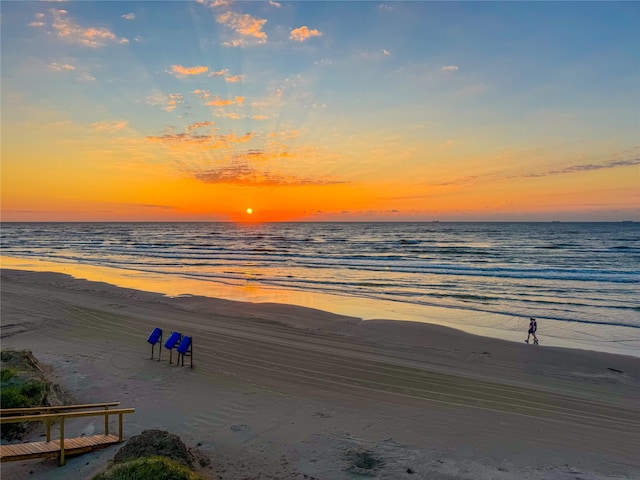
[
  {"x": 62, "y": 459},
  {"x": 120, "y": 427},
  {"x": 48, "y": 430},
  {"x": 106, "y": 421}
]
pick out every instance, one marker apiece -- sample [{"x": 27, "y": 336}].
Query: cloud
[
  {"x": 180, "y": 71},
  {"x": 240, "y": 172},
  {"x": 275, "y": 4},
  {"x": 110, "y": 126},
  {"x": 215, "y": 3},
  {"x": 234, "y": 78},
  {"x": 218, "y": 73},
  {"x": 56, "y": 67},
  {"x": 449, "y": 68},
  {"x": 303, "y": 33},
  {"x": 38, "y": 22},
  {"x": 167, "y": 102},
  {"x": 208, "y": 141},
  {"x": 589, "y": 167},
  {"x": 129, "y": 16},
  {"x": 628, "y": 160},
  {"x": 94, "y": 37},
  {"x": 220, "y": 102},
  {"x": 201, "y": 93},
  {"x": 324, "y": 62},
  {"x": 80, "y": 73},
  {"x": 197, "y": 125},
  {"x": 375, "y": 55},
  {"x": 249, "y": 28},
  {"x": 86, "y": 77}
]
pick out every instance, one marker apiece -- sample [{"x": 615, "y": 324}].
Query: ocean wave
[{"x": 584, "y": 273}]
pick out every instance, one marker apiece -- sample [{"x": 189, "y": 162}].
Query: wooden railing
[{"x": 50, "y": 415}]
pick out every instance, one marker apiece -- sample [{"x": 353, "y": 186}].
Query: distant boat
[{"x": 627, "y": 221}]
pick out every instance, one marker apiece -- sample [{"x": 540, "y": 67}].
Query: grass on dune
[{"x": 148, "y": 468}]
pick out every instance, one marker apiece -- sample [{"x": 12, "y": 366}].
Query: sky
[{"x": 320, "y": 111}]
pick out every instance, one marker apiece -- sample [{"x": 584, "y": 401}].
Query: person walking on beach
[{"x": 533, "y": 326}]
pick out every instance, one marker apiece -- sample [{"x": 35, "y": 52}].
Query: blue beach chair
[
  {"x": 155, "y": 337},
  {"x": 171, "y": 343},
  {"x": 185, "y": 349}
]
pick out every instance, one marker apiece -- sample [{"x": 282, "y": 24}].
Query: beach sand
[{"x": 285, "y": 392}]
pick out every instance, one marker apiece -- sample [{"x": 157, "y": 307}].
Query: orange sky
[{"x": 450, "y": 112}]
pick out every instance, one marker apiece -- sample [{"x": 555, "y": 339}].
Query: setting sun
[{"x": 249, "y": 211}]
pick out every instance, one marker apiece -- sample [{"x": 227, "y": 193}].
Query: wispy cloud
[
  {"x": 247, "y": 27},
  {"x": 67, "y": 29},
  {"x": 324, "y": 62},
  {"x": 167, "y": 102},
  {"x": 215, "y": 3},
  {"x": 79, "y": 73},
  {"x": 303, "y": 33},
  {"x": 110, "y": 127},
  {"x": 180, "y": 71},
  {"x": 449, "y": 68},
  {"x": 241, "y": 172},
  {"x": 197, "y": 125},
  {"x": 223, "y": 102},
  {"x": 589, "y": 167},
  {"x": 209, "y": 141},
  {"x": 129, "y": 16},
  {"x": 39, "y": 21},
  {"x": 234, "y": 78},
  {"x": 622, "y": 160},
  {"x": 369, "y": 55},
  {"x": 201, "y": 152},
  {"x": 218, "y": 73},
  {"x": 57, "y": 67},
  {"x": 200, "y": 93}
]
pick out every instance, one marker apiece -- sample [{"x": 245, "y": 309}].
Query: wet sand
[{"x": 280, "y": 391}]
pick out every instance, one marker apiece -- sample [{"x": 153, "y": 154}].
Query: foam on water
[{"x": 580, "y": 280}]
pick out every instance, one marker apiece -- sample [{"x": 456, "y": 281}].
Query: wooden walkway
[
  {"x": 72, "y": 446},
  {"x": 62, "y": 446}
]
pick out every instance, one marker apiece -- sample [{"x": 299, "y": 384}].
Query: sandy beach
[{"x": 285, "y": 392}]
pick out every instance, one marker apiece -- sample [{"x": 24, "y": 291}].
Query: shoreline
[
  {"x": 289, "y": 391},
  {"x": 492, "y": 325}
]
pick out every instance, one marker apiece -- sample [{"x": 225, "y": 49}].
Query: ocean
[{"x": 579, "y": 280}]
